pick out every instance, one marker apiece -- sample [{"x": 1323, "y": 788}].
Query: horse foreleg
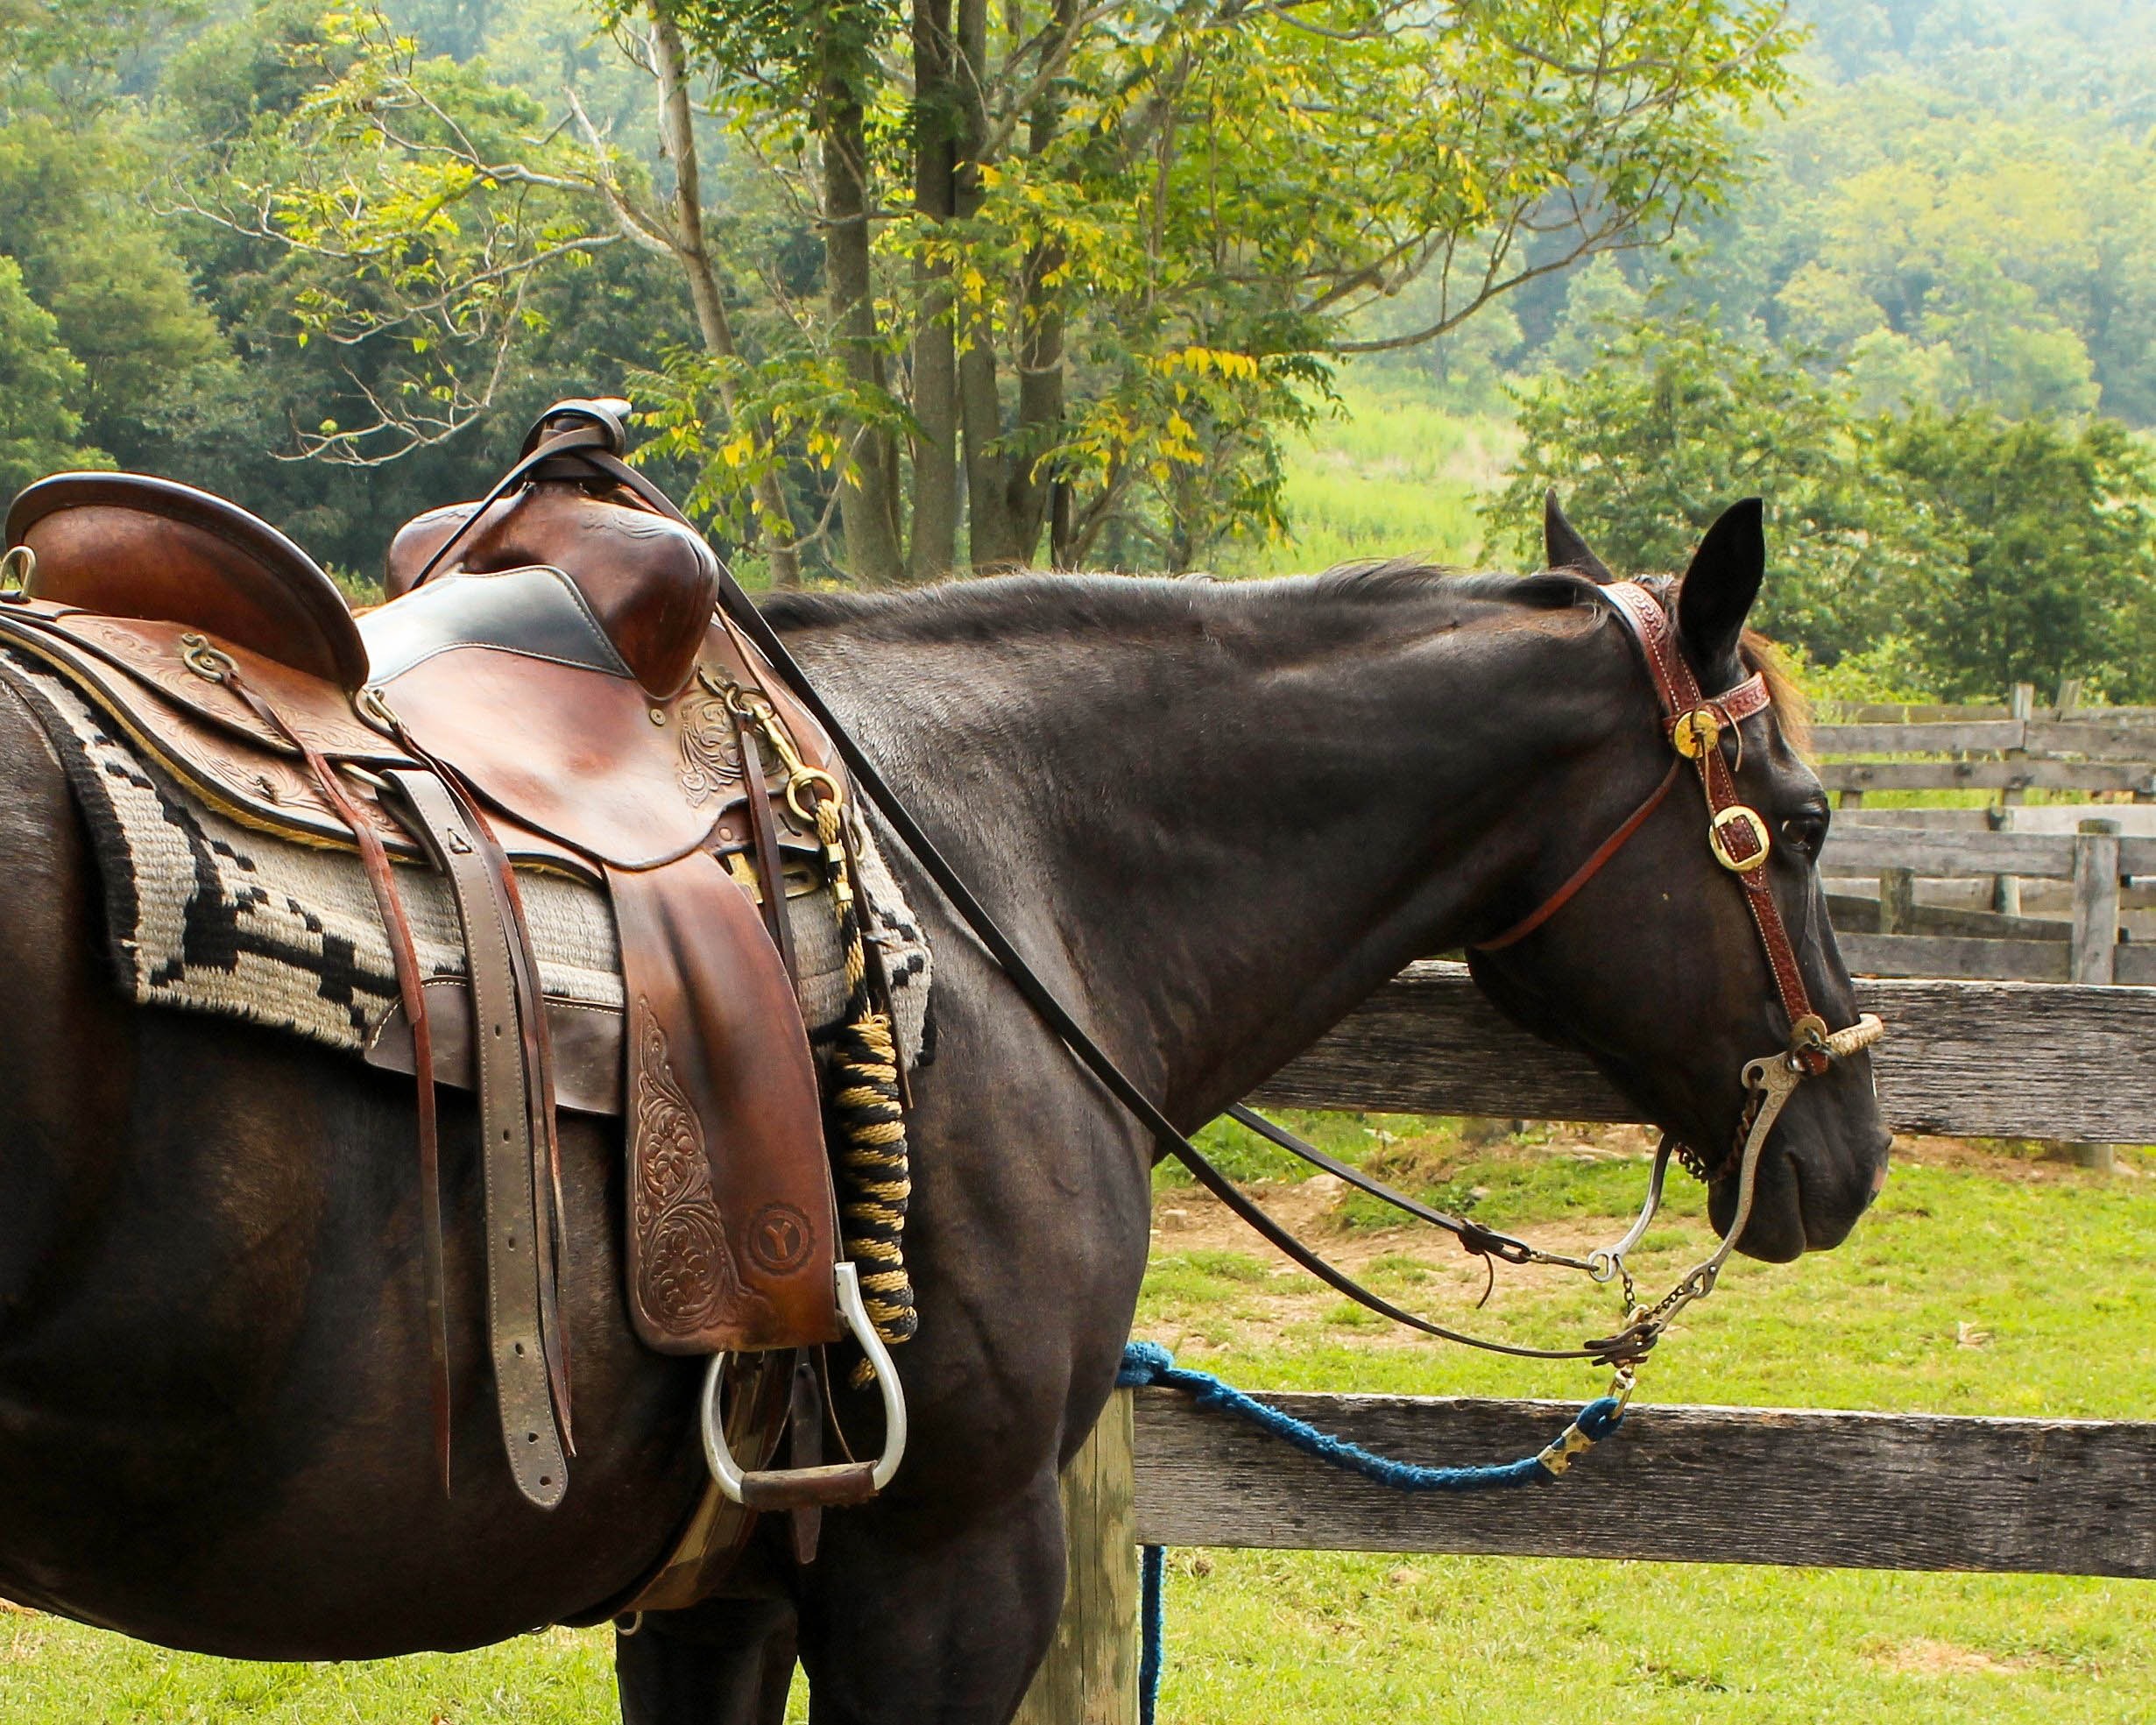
[
  {"x": 906, "y": 1619},
  {"x": 726, "y": 1662}
]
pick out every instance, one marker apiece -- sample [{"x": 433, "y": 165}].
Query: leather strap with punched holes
[{"x": 516, "y": 1233}]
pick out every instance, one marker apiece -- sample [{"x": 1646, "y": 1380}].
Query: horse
[{"x": 1214, "y": 816}]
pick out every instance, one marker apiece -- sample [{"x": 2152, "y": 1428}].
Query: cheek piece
[{"x": 1738, "y": 838}]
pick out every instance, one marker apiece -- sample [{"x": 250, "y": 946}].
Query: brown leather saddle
[{"x": 549, "y": 684}]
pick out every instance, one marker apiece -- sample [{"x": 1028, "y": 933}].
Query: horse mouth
[{"x": 1798, "y": 1206}]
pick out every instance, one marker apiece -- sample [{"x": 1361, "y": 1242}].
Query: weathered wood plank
[
  {"x": 2020, "y": 775},
  {"x": 2113, "y": 736},
  {"x": 1857, "y": 847},
  {"x": 1091, "y": 1674},
  {"x": 2135, "y": 820},
  {"x": 1984, "y": 736},
  {"x": 1690, "y": 1485},
  {"x": 2098, "y": 856},
  {"x": 1963, "y": 956},
  {"x": 1991, "y": 1059},
  {"x": 1854, "y": 915}
]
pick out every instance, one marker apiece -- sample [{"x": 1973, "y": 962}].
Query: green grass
[
  {"x": 1397, "y": 476},
  {"x": 2002, "y": 1286}
]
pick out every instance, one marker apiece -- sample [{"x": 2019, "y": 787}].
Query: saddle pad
[{"x": 207, "y": 915}]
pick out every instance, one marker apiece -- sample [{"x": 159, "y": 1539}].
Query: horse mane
[{"x": 1035, "y": 603}]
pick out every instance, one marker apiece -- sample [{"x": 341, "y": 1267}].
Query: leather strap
[
  {"x": 1587, "y": 870},
  {"x": 764, "y": 851},
  {"x": 518, "y": 1242},
  {"x": 1744, "y": 840},
  {"x": 411, "y": 993}
]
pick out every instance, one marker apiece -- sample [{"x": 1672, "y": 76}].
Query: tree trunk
[
  {"x": 935, "y": 549},
  {"x": 867, "y": 509},
  {"x": 994, "y": 540},
  {"x": 775, "y": 522},
  {"x": 1031, "y": 485}
]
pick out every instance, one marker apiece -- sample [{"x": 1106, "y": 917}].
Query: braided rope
[{"x": 868, "y": 1121}]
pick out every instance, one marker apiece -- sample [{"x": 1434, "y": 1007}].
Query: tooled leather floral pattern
[
  {"x": 710, "y": 751},
  {"x": 686, "y": 1277}
]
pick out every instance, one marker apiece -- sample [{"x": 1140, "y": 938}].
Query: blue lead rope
[{"x": 1147, "y": 1364}]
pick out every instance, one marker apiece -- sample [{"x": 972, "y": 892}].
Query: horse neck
[{"x": 1226, "y": 813}]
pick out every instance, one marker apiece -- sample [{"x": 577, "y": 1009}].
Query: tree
[
  {"x": 1080, "y": 260},
  {"x": 1673, "y": 422},
  {"x": 1967, "y": 550},
  {"x": 38, "y": 379},
  {"x": 2052, "y": 569}
]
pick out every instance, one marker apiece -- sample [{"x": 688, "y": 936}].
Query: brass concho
[{"x": 1695, "y": 732}]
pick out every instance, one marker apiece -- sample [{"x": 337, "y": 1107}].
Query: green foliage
[
  {"x": 1961, "y": 210},
  {"x": 105, "y": 269},
  {"x": 1960, "y": 552},
  {"x": 1671, "y": 423},
  {"x": 2049, "y": 569},
  {"x": 38, "y": 379}
]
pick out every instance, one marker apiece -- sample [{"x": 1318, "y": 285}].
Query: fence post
[
  {"x": 2094, "y": 953},
  {"x": 1898, "y": 901},
  {"x": 2005, "y": 889},
  {"x": 1091, "y": 1674}
]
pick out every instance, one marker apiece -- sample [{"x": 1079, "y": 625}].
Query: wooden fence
[
  {"x": 1721, "y": 1485},
  {"x": 2009, "y": 750}
]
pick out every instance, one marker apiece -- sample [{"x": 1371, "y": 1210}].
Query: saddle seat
[{"x": 549, "y": 684}]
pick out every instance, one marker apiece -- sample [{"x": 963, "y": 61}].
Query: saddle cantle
[
  {"x": 128, "y": 545},
  {"x": 549, "y": 685}
]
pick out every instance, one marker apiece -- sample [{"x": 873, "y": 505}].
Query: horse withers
[{"x": 1214, "y": 817}]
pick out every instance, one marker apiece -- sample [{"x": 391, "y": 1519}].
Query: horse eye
[{"x": 1805, "y": 833}]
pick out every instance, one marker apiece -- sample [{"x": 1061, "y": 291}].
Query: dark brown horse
[{"x": 1215, "y": 816}]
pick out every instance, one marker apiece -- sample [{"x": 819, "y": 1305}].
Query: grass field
[
  {"x": 1986, "y": 1280},
  {"x": 1399, "y": 476}
]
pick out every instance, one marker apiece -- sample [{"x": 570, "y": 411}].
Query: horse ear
[
  {"x": 1562, "y": 547},
  {"x": 1716, "y": 594}
]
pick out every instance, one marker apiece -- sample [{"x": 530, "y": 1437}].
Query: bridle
[
  {"x": 1737, "y": 834},
  {"x": 1697, "y": 729}
]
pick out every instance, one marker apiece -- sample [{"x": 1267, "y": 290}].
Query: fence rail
[
  {"x": 1690, "y": 1484},
  {"x": 1678, "y": 1484},
  {"x": 1973, "y": 1059}
]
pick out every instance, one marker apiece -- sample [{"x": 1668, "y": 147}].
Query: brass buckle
[
  {"x": 1738, "y": 815},
  {"x": 1695, "y": 732}
]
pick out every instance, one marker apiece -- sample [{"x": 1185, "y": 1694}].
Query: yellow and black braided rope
[{"x": 868, "y": 1120}]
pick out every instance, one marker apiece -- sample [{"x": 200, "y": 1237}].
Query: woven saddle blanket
[{"x": 208, "y": 916}]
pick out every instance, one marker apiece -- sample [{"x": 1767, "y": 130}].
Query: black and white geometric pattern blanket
[{"x": 208, "y": 916}]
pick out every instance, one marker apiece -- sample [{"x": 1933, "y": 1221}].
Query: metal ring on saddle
[
  {"x": 205, "y": 661},
  {"x": 19, "y": 564}
]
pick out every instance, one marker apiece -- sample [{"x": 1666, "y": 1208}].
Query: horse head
[{"x": 1660, "y": 965}]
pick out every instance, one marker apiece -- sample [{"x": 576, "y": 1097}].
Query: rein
[{"x": 1737, "y": 834}]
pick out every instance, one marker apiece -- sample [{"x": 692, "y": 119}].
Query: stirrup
[{"x": 806, "y": 1487}]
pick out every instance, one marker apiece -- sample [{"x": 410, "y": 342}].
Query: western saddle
[{"x": 550, "y": 684}]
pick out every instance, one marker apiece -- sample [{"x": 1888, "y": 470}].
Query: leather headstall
[{"x": 1697, "y": 727}]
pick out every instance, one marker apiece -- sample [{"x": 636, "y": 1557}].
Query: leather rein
[{"x": 1737, "y": 834}]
